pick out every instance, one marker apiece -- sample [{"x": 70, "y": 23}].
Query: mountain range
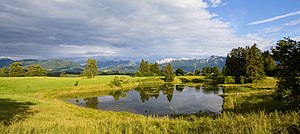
[{"x": 127, "y": 66}]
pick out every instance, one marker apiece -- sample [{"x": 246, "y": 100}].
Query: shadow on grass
[{"x": 12, "y": 111}]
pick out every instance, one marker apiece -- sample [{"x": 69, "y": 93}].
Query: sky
[{"x": 142, "y": 29}]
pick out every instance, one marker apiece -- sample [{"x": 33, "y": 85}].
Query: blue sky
[
  {"x": 284, "y": 17},
  {"x": 142, "y": 29}
]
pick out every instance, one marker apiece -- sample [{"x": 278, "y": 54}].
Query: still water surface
[{"x": 163, "y": 100}]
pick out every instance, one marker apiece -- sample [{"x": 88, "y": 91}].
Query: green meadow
[{"x": 37, "y": 105}]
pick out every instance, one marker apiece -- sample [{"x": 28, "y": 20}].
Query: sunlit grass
[
  {"x": 47, "y": 112},
  {"x": 268, "y": 82}
]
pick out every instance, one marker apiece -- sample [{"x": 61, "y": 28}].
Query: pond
[{"x": 162, "y": 100}]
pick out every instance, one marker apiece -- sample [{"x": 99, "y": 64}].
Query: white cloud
[
  {"x": 292, "y": 23},
  {"x": 87, "y": 50},
  {"x": 297, "y": 38},
  {"x": 269, "y": 31},
  {"x": 275, "y": 18},
  {"x": 215, "y": 3},
  {"x": 116, "y": 28}
]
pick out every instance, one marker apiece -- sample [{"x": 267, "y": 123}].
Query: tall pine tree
[
  {"x": 254, "y": 63},
  {"x": 154, "y": 68},
  {"x": 168, "y": 73},
  {"x": 269, "y": 63},
  {"x": 245, "y": 62},
  {"x": 144, "y": 68},
  {"x": 287, "y": 53},
  {"x": 235, "y": 62}
]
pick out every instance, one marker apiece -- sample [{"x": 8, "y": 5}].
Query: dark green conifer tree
[{"x": 168, "y": 73}]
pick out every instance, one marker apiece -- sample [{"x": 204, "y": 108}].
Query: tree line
[
  {"x": 248, "y": 64},
  {"x": 17, "y": 70},
  {"x": 147, "y": 69},
  {"x": 287, "y": 54},
  {"x": 206, "y": 71},
  {"x": 243, "y": 65},
  {"x": 283, "y": 62}
]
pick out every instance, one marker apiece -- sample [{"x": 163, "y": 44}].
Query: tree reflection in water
[
  {"x": 118, "y": 94},
  {"x": 91, "y": 102},
  {"x": 160, "y": 100},
  {"x": 148, "y": 92},
  {"x": 168, "y": 90},
  {"x": 211, "y": 88},
  {"x": 179, "y": 88}
]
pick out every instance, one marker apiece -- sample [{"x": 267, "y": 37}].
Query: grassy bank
[{"x": 35, "y": 105}]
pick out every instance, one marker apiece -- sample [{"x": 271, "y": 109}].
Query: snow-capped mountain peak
[{"x": 168, "y": 60}]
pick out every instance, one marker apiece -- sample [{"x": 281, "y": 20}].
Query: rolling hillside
[{"x": 188, "y": 65}]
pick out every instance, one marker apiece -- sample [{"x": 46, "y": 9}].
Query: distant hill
[
  {"x": 116, "y": 63},
  {"x": 188, "y": 65},
  {"x": 5, "y": 62},
  {"x": 119, "y": 66},
  {"x": 55, "y": 65},
  {"x": 50, "y": 65}
]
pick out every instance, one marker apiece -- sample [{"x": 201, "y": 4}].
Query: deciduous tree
[
  {"x": 91, "y": 68},
  {"x": 4, "y": 72},
  {"x": 197, "y": 72},
  {"x": 206, "y": 70},
  {"x": 36, "y": 70},
  {"x": 16, "y": 70},
  {"x": 179, "y": 72},
  {"x": 215, "y": 71}
]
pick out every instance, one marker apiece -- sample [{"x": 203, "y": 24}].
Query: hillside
[
  {"x": 5, "y": 62},
  {"x": 188, "y": 65},
  {"x": 50, "y": 65}
]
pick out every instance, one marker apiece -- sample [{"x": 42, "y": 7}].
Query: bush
[
  {"x": 76, "y": 83},
  {"x": 242, "y": 80},
  {"x": 190, "y": 74},
  {"x": 229, "y": 80},
  {"x": 138, "y": 74},
  {"x": 218, "y": 79},
  {"x": 118, "y": 81},
  {"x": 251, "y": 79}
]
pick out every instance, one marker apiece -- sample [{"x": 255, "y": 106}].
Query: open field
[{"x": 36, "y": 105}]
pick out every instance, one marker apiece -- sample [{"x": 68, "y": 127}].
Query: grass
[
  {"x": 36, "y": 105},
  {"x": 268, "y": 83}
]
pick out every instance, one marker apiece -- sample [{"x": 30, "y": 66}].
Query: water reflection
[
  {"x": 160, "y": 100},
  {"x": 118, "y": 94},
  {"x": 91, "y": 102}
]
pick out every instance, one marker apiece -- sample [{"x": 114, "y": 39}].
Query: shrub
[
  {"x": 241, "y": 79},
  {"x": 118, "y": 81},
  {"x": 251, "y": 79},
  {"x": 76, "y": 83},
  {"x": 218, "y": 79},
  {"x": 229, "y": 80}
]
